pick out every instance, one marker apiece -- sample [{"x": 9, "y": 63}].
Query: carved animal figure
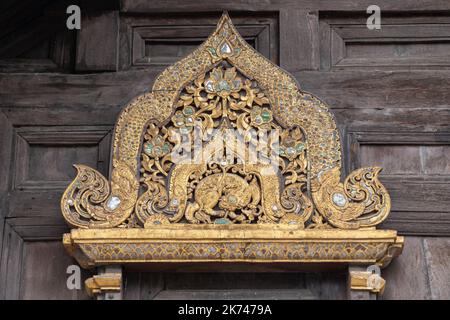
[{"x": 229, "y": 191}]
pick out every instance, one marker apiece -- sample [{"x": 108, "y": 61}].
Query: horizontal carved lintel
[{"x": 283, "y": 245}]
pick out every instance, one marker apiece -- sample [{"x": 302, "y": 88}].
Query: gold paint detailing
[
  {"x": 225, "y": 45},
  {"x": 156, "y": 219},
  {"x": 166, "y": 203},
  {"x": 290, "y": 106},
  {"x": 212, "y": 190},
  {"x": 361, "y": 201},
  {"x": 251, "y": 243},
  {"x": 226, "y": 85},
  {"x": 394, "y": 251},
  {"x": 367, "y": 281},
  {"x": 91, "y": 202},
  {"x": 108, "y": 282}
]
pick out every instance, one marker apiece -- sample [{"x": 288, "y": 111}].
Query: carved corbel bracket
[
  {"x": 104, "y": 284},
  {"x": 367, "y": 281}
]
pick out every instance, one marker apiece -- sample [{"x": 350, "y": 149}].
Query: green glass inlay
[
  {"x": 222, "y": 221},
  {"x": 148, "y": 147},
  {"x": 265, "y": 114},
  {"x": 188, "y": 111},
  {"x": 212, "y": 51}
]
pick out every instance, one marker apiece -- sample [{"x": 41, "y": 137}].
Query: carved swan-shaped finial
[
  {"x": 361, "y": 201},
  {"x": 90, "y": 201}
]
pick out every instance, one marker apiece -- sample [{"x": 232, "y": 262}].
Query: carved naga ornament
[{"x": 167, "y": 201}]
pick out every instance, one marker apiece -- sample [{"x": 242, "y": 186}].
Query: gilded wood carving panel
[
  {"x": 225, "y": 85},
  {"x": 227, "y": 160}
]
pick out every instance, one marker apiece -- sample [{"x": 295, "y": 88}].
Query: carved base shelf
[{"x": 281, "y": 245}]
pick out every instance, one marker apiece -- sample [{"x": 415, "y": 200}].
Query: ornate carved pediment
[{"x": 227, "y": 160}]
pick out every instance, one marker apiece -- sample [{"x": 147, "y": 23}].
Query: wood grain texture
[
  {"x": 237, "y": 286},
  {"x": 44, "y": 266},
  {"x": 92, "y": 92},
  {"x": 327, "y": 285},
  {"x": 254, "y": 5},
  {"x": 5, "y": 160},
  {"x": 299, "y": 40},
  {"x": 379, "y": 89},
  {"x": 407, "y": 277},
  {"x": 341, "y": 90},
  {"x": 11, "y": 265},
  {"x": 404, "y": 42},
  {"x": 415, "y": 173},
  {"x": 237, "y": 294},
  {"x": 437, "y": 251},
  {"x": 142, "y": 285},
  {"x": 97, "y": 47},
  {"x": 158, "y": 40}
]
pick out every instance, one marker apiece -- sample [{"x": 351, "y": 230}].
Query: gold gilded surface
[
  {"x": 213, "y": 189},
  {"x": 367, "y": 281},
  {"x": 361, "y": 201},
  {"x": 88, "y": 200},
  {"x": 225, "y": 85},
  {"x": 108, "y": 282},
  {"x": 175, "y": 243},
  {"x": 167, "y": 203}
]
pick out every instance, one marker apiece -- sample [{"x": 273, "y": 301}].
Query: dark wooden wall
[{"x": 61, "y": 91}]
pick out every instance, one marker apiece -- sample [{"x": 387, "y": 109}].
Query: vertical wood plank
[
  {"x": 132, "y": 285},
  {"x": 327, "y": 285},
  {"x": 152, "y": 284},
  {"x": 143, "y": 285},
  {"x": 5, "y": 162},
  {"x": 125, "y": 45},
  {"x": 11, "y": 264},
  {"x": 299, "y": 40},
  {"x": 44, "y": 272},
  {"x": 97, "y": 45},
  {"x": 407, "y": 277},
  {"x": 324, "y": 45},
  {"x": 437, "y": 252}
]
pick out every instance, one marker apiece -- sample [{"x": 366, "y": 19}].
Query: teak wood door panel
[{"x": 61, "y": 92}]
